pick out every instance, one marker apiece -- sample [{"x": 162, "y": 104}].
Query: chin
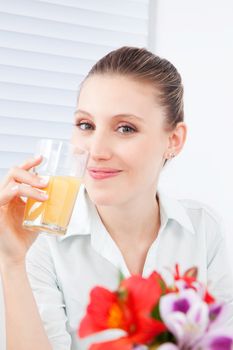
[
  {"x": 102, "y": 200},
  {"x": 99, "y": 198}
]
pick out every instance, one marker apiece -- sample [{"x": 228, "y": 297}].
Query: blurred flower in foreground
[{"x": 155, "y": 316}]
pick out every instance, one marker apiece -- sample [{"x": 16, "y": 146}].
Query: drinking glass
[{"x": 64, "y": 165}]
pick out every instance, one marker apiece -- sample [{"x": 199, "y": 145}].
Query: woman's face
[{"x": 119, "y": 122}]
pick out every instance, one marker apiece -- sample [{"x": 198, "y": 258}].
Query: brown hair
[{"x": 142, "y": 65}]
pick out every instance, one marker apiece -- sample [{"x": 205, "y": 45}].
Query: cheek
[
  {"x": 146, "y": 152},
  {"x": 148, "y": 160},
  {"x": 78, "y": 140}
]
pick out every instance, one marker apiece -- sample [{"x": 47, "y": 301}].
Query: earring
[{"x": 171, "y": 155}]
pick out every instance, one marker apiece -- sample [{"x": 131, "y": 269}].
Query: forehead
[{"x": 117, "y": 94}]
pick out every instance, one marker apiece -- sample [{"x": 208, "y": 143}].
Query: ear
[{"x": 176, "y": 140}]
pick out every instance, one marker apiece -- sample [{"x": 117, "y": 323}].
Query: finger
[
  {"x": 20, "y": 174},
  {"x": 23, "y": 176},
  {"x": 29, "y": 192},
  {"x": 18, "y": 190},
  {"x": 31, "y": 162}
]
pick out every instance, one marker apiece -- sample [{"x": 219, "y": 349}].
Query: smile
[{"x": 103, "y": 174}]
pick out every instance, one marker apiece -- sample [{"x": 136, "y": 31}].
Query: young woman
[{"x": 130, "y": 117}]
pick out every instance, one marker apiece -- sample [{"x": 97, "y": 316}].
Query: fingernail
[
  {"x": 37, "y": 157},
  {"x": 44, "y": 180},
  {"x": 44, "y": 195}
]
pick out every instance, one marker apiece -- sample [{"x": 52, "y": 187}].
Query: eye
[
  {"x": 126, "y": 129},
  {"x": 84, "y": 126}
]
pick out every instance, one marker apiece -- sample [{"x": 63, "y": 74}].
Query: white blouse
[{"x": 63, "y": 270}]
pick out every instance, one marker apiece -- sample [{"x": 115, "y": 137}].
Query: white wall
[{"x": 197, "y": 37}]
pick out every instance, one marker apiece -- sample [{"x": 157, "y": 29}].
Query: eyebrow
[{"x": 125, "y": 115}]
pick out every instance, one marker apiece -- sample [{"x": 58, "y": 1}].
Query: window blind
[{"x": 46, "y": 48}]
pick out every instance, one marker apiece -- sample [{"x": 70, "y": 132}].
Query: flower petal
[
  {"x": 96, "y": 318},
  {"x": 145, "y": 292},
  {"x": 168, "y": 346},
  {"x": 198, "y": 316},
  {"x": 218, "y": 314},
  {"x": 216, "y": 340},
  {"x": 174, "y": 302},
  {"x": 186, "y": 325},
  {"x": 175, "y": 322},
  {"x": 147, "y": 330},
  {"x": 215, "y": 310},
  {"x": 122, "y": 344},
  {"x": 221, "y": 342}
]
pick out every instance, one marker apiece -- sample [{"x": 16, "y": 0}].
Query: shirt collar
[
  {"x": 81, "y": 222},
  {"x": 172, "y": 209}
]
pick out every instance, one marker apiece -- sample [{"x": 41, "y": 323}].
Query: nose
[{"x": 100, "y": 146}]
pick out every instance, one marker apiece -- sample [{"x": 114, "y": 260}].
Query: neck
[{"x": 134, "y": 222}]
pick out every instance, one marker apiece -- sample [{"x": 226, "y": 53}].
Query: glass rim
[{"x": 58, "y": 142}]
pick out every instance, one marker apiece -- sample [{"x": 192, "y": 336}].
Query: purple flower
[
  {"x": 195, "y": 324},
  {"x": 209, "y": 342},
  {"x": 215, "y": 340},
  {"x": 217, "y": 312},
  {"x": 221, "y": 342},
  {"x": 186, "y": 315}
]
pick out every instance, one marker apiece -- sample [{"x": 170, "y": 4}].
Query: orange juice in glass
[{"x": 65, "y": 165}]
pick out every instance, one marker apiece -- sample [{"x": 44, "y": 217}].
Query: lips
[{"x": 103, "y": 173}]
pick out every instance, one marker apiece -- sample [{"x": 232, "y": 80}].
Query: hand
[{"x": 15, "y": 240}]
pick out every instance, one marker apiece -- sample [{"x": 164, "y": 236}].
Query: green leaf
[
  {"x": 155, "y": 312},
  {"x": 121, "y": 276},
  {"x": 163, "y": 338}
]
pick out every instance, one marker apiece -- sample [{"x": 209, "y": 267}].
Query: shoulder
[
  {"x": 195, "y": 216},
  {"x": 195, "y": 205},
  {"x": 203, "y": 214},
  {"x": 201, "y": 208}
]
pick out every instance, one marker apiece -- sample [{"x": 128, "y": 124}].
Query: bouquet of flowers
[{"x": 154, "y": 315}]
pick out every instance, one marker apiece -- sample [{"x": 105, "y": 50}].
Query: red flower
[
  {"x": 128, "y": 309},
  {"x": 190, "y": 278}
]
